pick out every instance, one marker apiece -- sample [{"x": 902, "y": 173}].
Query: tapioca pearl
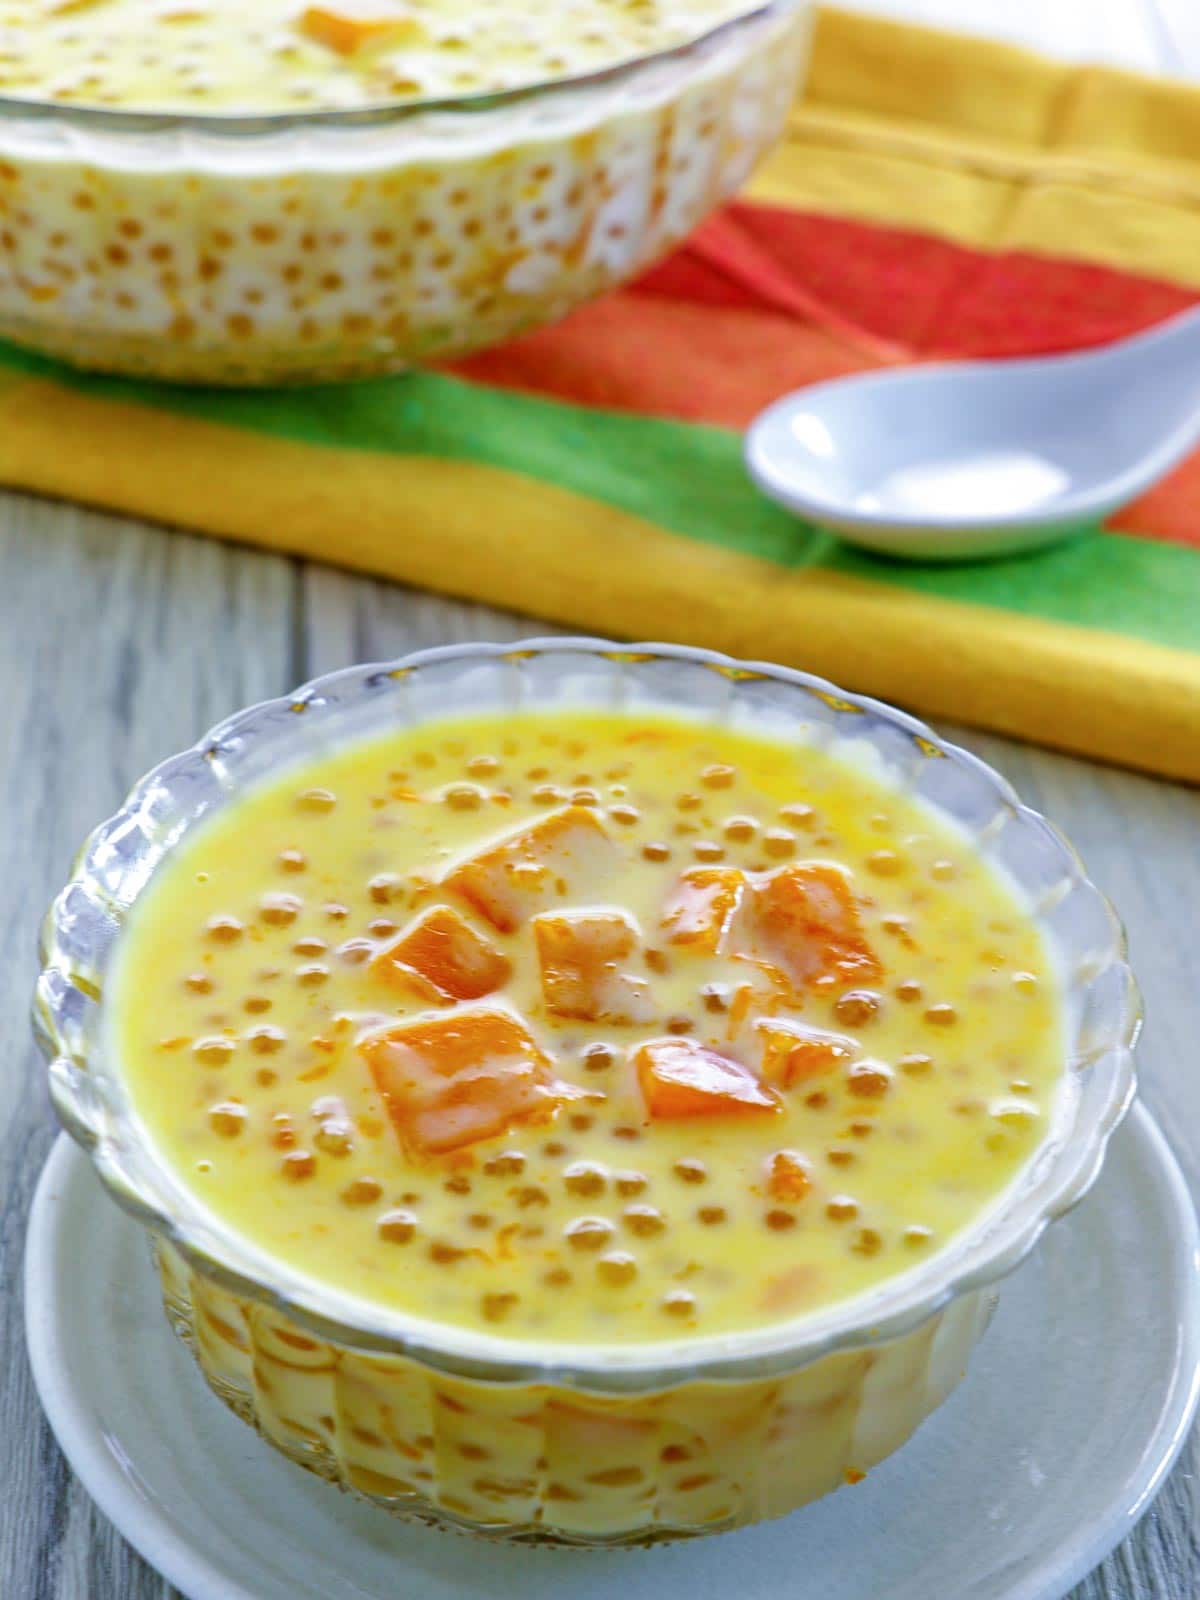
[
  {"x": 679, "y": 1303},
  {"x": 798, "y": 815},
  {"x": 354, "y": 952},
  {"x": 942, "y": 1015},
  {"x": 657, "y": 960},
  {"x": 382, "y": 927},
  {"x": 398, "y": 1226},
  {"x": 298, "y": 1165},
  {"x": 385, "y": 888},
  {"x": 362, "y": 1191},
  {"x": 712, "y": 1216},
  {"x": 282, "y": 1132},
  {"x": 505, "y": 1164},
  {"x": 335, "y": 1136},
  {"x": 915, "y": 1064},
  {"x": 841, "y": 1208},
  {"x": 1025, "y": 983},
  {"x": 480, "y": 1220},
  {"x": 690, "y": 1170},
  {"x": 708, "y": 850},
  {"x": 718, "y": 776},
  {"x": 548, "y": 794},
  {"x": 224, "y": 929},
  {"x": 554, "y": 1148},
  {"x": 498, "y": 1304},
  {"x": 679, "y": 1025},
  {"x": 617, "y": 1268},
  {"x": 317, "y": 802},
  {"x": 857, "y": 1007},
  {"x": 312, "y": 976},
  {"x": 778, "y": 843},
  {"x": 908, "y": 991},
  {"x": 628, "y": 1184},
  {"x": 265, "y": 1077},
  {"x": 310, "y": 945},
  {"x": 557, "y": 1278},
  {"x": 917, "y": 1237},
  {"x": 867, "y": 1242},
  {"x": 885, "y": 864},
  {"x": 266, "y": 1040},
  {"x": 1014, "y": 1114},
  {"x": 529, "y": 1195},
  {"x": 588, "y": 1233},
  {"x": 840, "y": 1155},
  {"x": 969, "y": 1108},
  {"x": 656, "y": 850},
  {"x": 335, "y": 910},
  {"x": 869, "y": 1080},
  {"x": 715, "y": 997},
  {"x": 627, "y": 1132},
  {"x": 256, "y": 1004},
  {"x": 585, "y": 1178},
  {"x": 779, "y": 1220},
  {"x": 198, "y": 983},
  {"x": 464, "y": 796},
  {"x": 860, "y": 1128},
  {"x": 688, "y": 801},
  {"x": 598, "y": 1057},
  {"x": 643, "y": 1220},
  {"x": 227, "y": 1119},
  {"x": 214, "y": 1051},
  {"x": 944, "y": 871},
  {"x": 580, "y": 1121},
  {"x": 626, "y": 816},
  {"x": 1020, "y": 1086}
]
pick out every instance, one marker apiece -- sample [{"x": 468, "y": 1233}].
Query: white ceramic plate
[{"x": 1045, "y": 1457}]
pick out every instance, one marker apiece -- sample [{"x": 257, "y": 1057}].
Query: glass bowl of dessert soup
[
  {"x": 581, "y": 1093},
  {"x": 361, "y": 202}
]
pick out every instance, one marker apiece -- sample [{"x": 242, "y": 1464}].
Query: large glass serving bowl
[
  {"x": 290, "y": 247},
  {"x": 562, "y": 1442}
]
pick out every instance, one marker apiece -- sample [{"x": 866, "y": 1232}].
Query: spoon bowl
[{"x": 957, "y": 461}]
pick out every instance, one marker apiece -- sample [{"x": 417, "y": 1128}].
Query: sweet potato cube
[
  {"x": 348, "y": 28},
  {"x": 441, "y": 947},
  {"x": 581, "y": 955},
  {"x": 680, "y": 1078},
  {"x": 547, "y": 862},
  {"x": 793, "y": 1053},
  {"x": 805, "y": 918},
  {"x": 453, "y": 1080},
  {"x": 701, "y": 907}
]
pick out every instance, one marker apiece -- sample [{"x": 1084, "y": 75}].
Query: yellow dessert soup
[
  {"x": 588, "y": 1028},
  {"x": 287, "y": 55}
]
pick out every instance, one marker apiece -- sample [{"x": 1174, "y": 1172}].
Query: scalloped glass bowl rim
[
  {"x": 375, "y": 114},
  {"x": 896, "y": 1307}
]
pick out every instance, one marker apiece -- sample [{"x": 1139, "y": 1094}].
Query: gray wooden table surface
[{"x": 119, "y": 643}]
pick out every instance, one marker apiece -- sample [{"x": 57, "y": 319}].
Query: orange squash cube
[
  {"x": 442, "y": 949},
  {"x": 346, "y": 29},
  {"x": 804, "y": 917},
  {"x": 581, "y": 955},
  {"x": 793, "y": 1053},
  {"x": 549, "y": 861},
  {"x": 680, "y": 1078},
  {"x": 702, "y": 906},
  {"x": 453, "y": 1080}
]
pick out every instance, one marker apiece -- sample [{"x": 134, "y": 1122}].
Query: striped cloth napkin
[{"x": 934, "y": 196}]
